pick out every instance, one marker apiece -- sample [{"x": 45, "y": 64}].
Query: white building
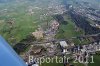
[{"x": 63, "y": 44}]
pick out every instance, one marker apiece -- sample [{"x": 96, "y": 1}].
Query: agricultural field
[
  {"x": 69, "y": 31},
  {"x": 24, "y": 23},
  {"x": 20, "y": 18},
  {"x": 17, "y": 20}
]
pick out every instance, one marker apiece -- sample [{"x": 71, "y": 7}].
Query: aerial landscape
[{"x": 67, "y": 32}]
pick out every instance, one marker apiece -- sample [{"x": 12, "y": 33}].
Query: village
[
  {"x": 48, "y": 46},
  {"x": 49, "y": 29}
]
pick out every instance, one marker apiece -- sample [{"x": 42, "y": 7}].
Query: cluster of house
[
  {"x": 80, "y": 51},
  {"x": 40, "y": 32},
  {"x": 87, "y": 11},
  {"x": 54, "y": 25},
  {"x": 58, "y": 9},
  {"x": 89, "y": 48},
  {"x": 38, "y": 51},
  {"x": 65, "y": 47},
  {"x": 95, "y": 25},
  {"x": 76, "y": 51}
]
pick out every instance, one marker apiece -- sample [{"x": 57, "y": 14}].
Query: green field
[
  {"x": 68, "y": 30},
  {"x": 24, "y": 23}
]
